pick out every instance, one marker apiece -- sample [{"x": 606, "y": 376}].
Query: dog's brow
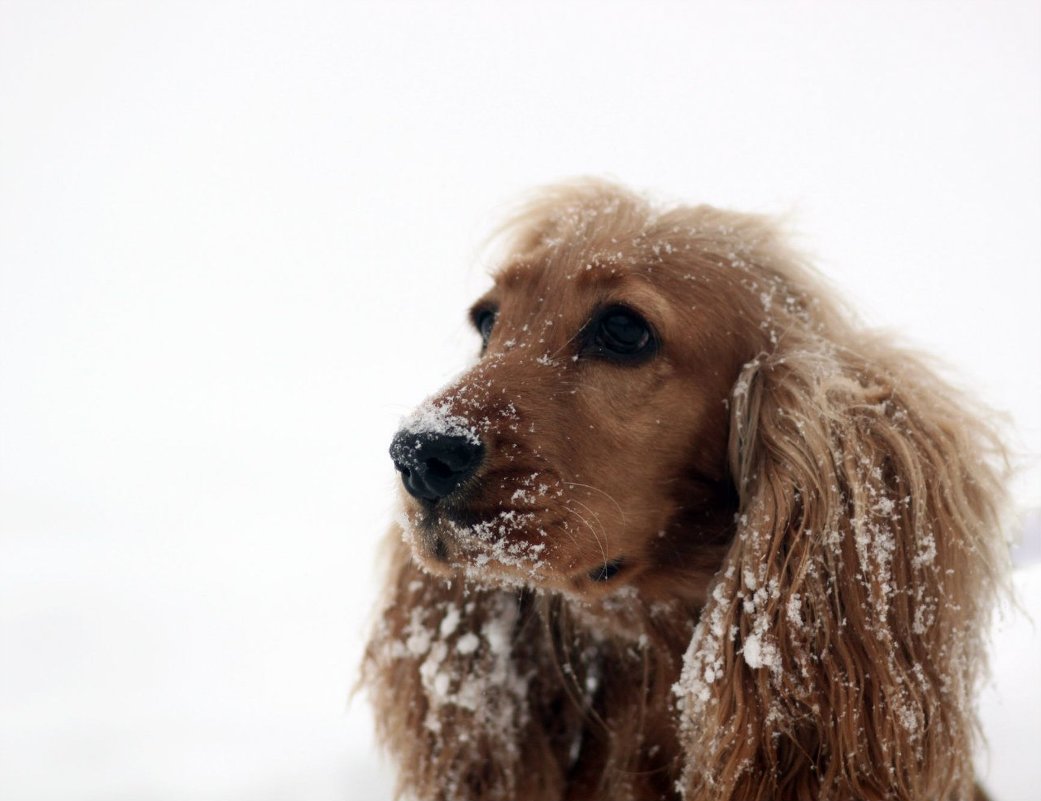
[
  {"x": 585, "y": 274},
  {"x": 595, "y": 275},
  {"x": 515, "y": 273}
]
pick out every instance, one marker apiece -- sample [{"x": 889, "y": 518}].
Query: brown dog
[{"x": 684, "y": 530}]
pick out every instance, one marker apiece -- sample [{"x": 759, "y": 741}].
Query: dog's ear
[
  {"x": 463, "y": 701},
  {"x": 841, "y": 643}
]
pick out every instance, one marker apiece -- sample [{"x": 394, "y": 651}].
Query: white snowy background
[{"x": 237, "y": 241}]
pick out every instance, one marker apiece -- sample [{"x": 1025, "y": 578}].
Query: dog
[{"x": 686, "y": 530}]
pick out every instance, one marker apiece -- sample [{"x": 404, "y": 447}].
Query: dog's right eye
[
  {"x": 619, "y": 334},
  {"x": 484, "y": 322}
]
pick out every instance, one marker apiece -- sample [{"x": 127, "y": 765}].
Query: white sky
[{"x": 237, "y": 242}]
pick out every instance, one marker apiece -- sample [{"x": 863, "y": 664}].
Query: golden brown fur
[{"x": 805, "y": 518}]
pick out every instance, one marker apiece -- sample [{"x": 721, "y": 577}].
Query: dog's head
[
  {"x": 588, "y": 447},
  {"x": 666, "y": 399}
]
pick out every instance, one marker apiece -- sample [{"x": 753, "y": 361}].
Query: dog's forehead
[{"x": 568, "y": 279}]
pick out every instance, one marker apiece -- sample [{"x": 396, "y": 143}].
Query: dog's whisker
[
  {"x": 586, "y": 524},
  {"x": 600, "y": 544},
  {"x": 611, "y": 498}
]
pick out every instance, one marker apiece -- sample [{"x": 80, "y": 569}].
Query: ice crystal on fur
[{"x": 437, "y": 418}]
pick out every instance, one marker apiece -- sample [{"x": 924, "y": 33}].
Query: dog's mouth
[
  {"x": 485, "y": 545},
  {"x": 506, "y": 546}
]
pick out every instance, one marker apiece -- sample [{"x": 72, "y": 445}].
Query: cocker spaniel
[{"x": 685, "y": 530}]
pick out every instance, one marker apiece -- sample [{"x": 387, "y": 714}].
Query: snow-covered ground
[{"x": 236, "y": 245}]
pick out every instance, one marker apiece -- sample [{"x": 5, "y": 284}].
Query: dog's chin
[
  {"x": 480, "y": 549},
  {"x": 432, "y": 547},
  {"x": 486, "y": 549}
]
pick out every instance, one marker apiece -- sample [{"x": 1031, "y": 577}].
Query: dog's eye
[
  {"x": 622, "y": 334},
  {"x": 484, "y": 322}
]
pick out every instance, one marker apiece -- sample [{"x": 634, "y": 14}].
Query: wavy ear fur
[{"x": 839, "y": 650}]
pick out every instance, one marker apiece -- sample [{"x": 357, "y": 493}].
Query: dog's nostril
[
  {"x": 431, "y": 464},
  {"x": 438, "y": 468}
]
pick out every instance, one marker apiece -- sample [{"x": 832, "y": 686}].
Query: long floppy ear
[
  {"x": 464, "y": 702},
  {"x": 842, "y": 641}
]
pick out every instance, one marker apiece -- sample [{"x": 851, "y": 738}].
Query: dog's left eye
[
  {"x": 484, "y": 322},
  {"x": 621, "y": 333}
]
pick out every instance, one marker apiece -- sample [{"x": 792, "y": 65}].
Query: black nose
[{"x": 432, "y": 465}]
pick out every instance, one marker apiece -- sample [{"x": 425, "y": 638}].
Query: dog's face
[{"x": 586, "y": 450}]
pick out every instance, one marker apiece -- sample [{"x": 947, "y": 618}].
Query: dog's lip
[
  {"x": 452, "y": 509},
  {"x": 456, "y": 520},
  {"x": 459, "y": 514},
  {"x": 464, "y": 513}
]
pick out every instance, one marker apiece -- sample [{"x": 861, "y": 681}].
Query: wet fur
[{"x": 807, "y": 519}]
